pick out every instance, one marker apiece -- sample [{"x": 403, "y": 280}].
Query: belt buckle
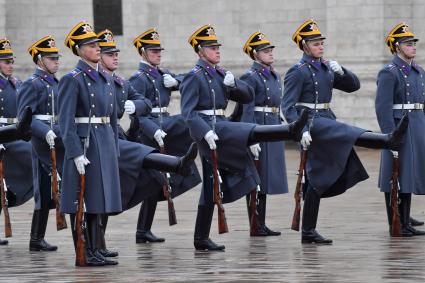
[
  {"x": 9, "y": 120},
  {"x": 104, "y": 120},
  {"x": 418, "y": 106},
  {"x": 275, "y": 109},
  {"x": 326, "y": 106}
]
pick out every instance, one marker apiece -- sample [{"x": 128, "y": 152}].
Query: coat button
[
  {"x": 89, "y": 84},
  {"x": 92, "y": 106},
  {"x": 410, "y": 110},
  {"x": 110, "y": 93},
  {"x": 95, "y": 126},
  {"x": 92, "y": 94}
]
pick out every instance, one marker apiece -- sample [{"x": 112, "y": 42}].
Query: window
[{"x": 107, "y": 14}]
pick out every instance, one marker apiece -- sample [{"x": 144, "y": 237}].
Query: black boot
[
  {"x": 103, "y": 250},
  {"x": 389, "y": 210},
  {"x": 406, "y": 215},
  {"x": 390, "y": 141},
  {"x": 292, "y": 131},
  {"x": 415, "y": 222},
  {"x": 20, "y": 131},
  {"x": 38, "y": 231},
  {"x": 202, "y": 229},
  {"x": 261, "y": 208},
  {"x": 404, "y": 210},
  {"x": 144, "y": 223},
  {"x": 3, "y": 242},
  {"x": 94, "y": 231},
  {"x": 169, "y": 163},
  {"x": 91, "y": 259},
  {"x": 309, "y": 221}
]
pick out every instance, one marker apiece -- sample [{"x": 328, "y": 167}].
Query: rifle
[
  {"x": 395, "y": 218},
  {"x": 298, "y": 192},
  {"x": 80, "y": 255},
  {"x": 4, "y": 202},
  {"x": 166, "y": 188},
  {"x": 222, "y": 222},
  {"x": 60, "y": 217},
  {"x": 253, "y": 200}
]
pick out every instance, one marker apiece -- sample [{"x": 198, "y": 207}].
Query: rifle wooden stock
[
  {"x": 222, "y": 222},
  {"x": 253, "y": 200},
  {"x": 395, "y": 216},
  {"x": 80, "y": 252},
  {"x": 297, "y": 195},
  {"x": 4, "y": 206},
  {"x": 60, "y": 217},
  {"x": 172, "y": 219}
]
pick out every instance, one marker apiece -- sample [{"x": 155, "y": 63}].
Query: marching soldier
[
  {"x": 205, "y": 91},
  {"x": 332, "y": 164},
  {"x": 91, "y": 145},
  {"x": 264, "y": 110},
  {"x": 40, "y": 93},
  {"x": 138, "y": 182},
  {"x": 159, "y": 129},
  {"x": 17, "y": 155},
  {"x": 401, "y": 91}
]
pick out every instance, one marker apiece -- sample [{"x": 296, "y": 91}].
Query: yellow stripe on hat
[
  {"x": 391, "y": 37},
  {"x": 6, "y": 49},
  {"x": 299, "y": 34},
  {"x": 248, "y": 47},
  {"x": 193, "y": 39},
  {"x": 34, "y": 49},
  {"x": 139, "y": 41},
  {"x": 70, "y": 38},
  {"x": 109, "y": 41}
]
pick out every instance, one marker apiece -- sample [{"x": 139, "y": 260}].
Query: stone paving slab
[{"x": 356, "y": 221}]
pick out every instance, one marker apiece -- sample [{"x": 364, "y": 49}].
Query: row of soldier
[{"x": 78, "y": 116}]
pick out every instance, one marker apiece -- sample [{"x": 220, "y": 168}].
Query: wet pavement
[{"x": 356, "y": 221}]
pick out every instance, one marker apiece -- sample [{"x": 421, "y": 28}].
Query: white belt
[
  {"x": 210, "y": 112},
  {"x": 93, "y": 120},
  {"x": 159, "y": 110},
  {"x": 44, "y": 117},
  {"x": 266, "y": 109},
  {"x": 318, "y": 106},
  {"x": 409, "y": 106},
  {"x": 8, "y": 120}
]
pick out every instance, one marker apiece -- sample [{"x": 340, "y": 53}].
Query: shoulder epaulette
[
  {"x": 74, "y": 72},
  {"x": 390, "y": 66},
  {"x": 195, "y": 70},
  {"x": 300, "y": 65}
]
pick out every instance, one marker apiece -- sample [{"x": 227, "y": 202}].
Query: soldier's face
[
  {"x": 110, "y": 61},
  {"x": 51, "y": 64},
  {"x": 91, "y": 52},
  {"x": 153, "y": 56},
  {"x": 408, "y": 49},
  {"x": 211, "y": 54},
  {"x": 315, "y": 48},
  {"x": 265, "y": 56},
  {"x": 6, "y": 67}
]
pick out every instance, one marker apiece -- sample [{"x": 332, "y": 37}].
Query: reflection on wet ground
[{"x": 356, "y": 221}]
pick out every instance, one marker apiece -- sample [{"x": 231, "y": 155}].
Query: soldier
[
  {"x": 159, "y": 129},
  {"x": 40, "y": 93},
  {"x": 138, "y": 182},
  {"x": 89, "y": 91},
  {"x": 205, "y": 91},
  {"x": 17, "y": 155},
  {"x": 401, "y": 91},
  {"x": 332, "y": 164},
  {"x": 264, "y": 110}
]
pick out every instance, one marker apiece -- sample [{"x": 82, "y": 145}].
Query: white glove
[
  {"x": 2, "y": 147},
  {"x": 255, "y": 149},
  {"x": 211, "y": 137},
  {"x": 229, "y": 79},
  {"x": 50, "y": 138},
  {"x": 129, "y": 107},
  {"x": 80, "y": 163},
  {"x": 306, "y": 139},
  {"x": 336, "y": 67},
  {"x": 169, "y": 81},
  {"x": 159, "y": 137}
]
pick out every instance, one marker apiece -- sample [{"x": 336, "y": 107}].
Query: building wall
[{"x": 355, "y": 31}]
